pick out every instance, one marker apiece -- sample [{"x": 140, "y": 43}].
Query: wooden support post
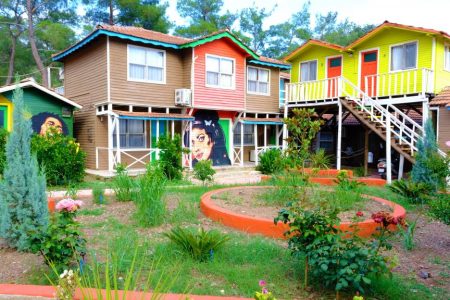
[
  {"x": 157, "y": 137},
  {"x": 401, "y": 163},
  {"x": 425, "y": 113},
  {"x": 285, "y": 131},
  {"x": 265, "y": 137},
  {"x": 118, "y": 154},
  {"x": 110, "y": 144},
  {"x": 242, "y": 144},
  {"x": 277, "y": 136},
  {"x": 256, "y": 143},
  {"x": 173, "y": 128},
  {"x": 366, "y": 151},
  {"x": 190, "y": 145},
  {"x": 388, "y": 150},
  {"x": 339, "y": 137}
]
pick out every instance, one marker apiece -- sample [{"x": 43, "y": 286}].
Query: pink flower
[
  {"x": 69, "y": 205},
  {"x": 359, "y": 214},
  {"x": 262, "y": 283},
  {"x": 265, "y": 291}
]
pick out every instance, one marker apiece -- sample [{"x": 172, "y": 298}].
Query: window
[
  {"x": 132, "y": 134},
  {"x": 248, "y": 134},
  {"x": 258, "y": 81},
  {"x": 3, "y": 116},
  {"x": 146, "y": 64},
  {"x": 447, "y": 58},
  {"x": 370, "y": 56},
  {"x": 219, "y": 72},
  {"x": 282, "y": 91},
  {"x": 326, "y": 141},
  {"x": 335, "y": 62},
  {"x": 404, "y": 57},
  {"x": 308, "y": 71}
]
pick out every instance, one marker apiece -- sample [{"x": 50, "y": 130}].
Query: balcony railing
[{"x": 387, "y": 85}]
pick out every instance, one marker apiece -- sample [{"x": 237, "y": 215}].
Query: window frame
[
  {"x": 237, "y": 132},
  {"x": 257, "y": 81},
  {"x": 147, "y": 49},
  {"x": 447, "y": 57},
  {"x": 391, "y": 57},
  {"x": 233, "y": 76},
  {"x": 127, "y": 134},
  {"x": 300, "y": 69},
  {"x": 4, "y": 110}
]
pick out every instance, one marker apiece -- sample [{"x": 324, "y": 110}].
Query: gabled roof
[
  {"x": 270, "y": 62},
  {"x": 387, "y": 24},
  {"x": 443, "y": 98},
  {"x": 31, "y": 83},
  {"x": 310, "y": 43},
  {"x": 151, "y": 37}
]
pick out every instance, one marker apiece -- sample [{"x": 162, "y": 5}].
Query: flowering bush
[
  {"x": 62, "y": 244},
  {"x": 264, "y": 294},
  {"x": 66, "y": 285}
]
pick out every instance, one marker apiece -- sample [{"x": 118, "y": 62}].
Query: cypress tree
[{"x": 23, "y": 201}]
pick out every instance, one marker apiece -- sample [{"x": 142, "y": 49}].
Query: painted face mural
[
  {"x": 45, "y": 121},
  {"x": 207, "y": 139}
]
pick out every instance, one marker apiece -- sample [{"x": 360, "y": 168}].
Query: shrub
[
  {"x": 270, "y": 161},
  {"x": 23, "y": 202},
  {"x": 62, "y": 244},
  {"x": 61, "y": 157},
  {"x": 170, "y": 157},
  {"x": 200, "y": 245},
  {"x": 151, "y": 208},
  {"x": 123, "y": 185},
  {"x": 320, "y": 159},
  {"x": 98, "y": 194},
  {"x": 3, "y": 136},
  {"x": 345, "y": 183},
  {"x": 414, "y": 192},
  {"x": 203, "y": 171},
  {"x": 430, "y": 168},
  {"x": 440, "y": 208}
]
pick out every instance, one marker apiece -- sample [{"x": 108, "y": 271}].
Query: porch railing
[
  {"x": 312, "y": 91},
  {"x": 149, "y": 154},
  {"x": 407, "y": 82}
]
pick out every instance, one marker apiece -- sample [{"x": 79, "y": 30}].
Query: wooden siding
[
  {"x": 442, "y": 76},
  {"x": 444, "y": 128},
  {"x": 163, "y": 95},
  {"x": 265, "y": 103},
  {"x": 219, "y": 98},
  {"x": 85, "y": 83}
]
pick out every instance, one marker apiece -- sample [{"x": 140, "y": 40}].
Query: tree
[
  {"x": 285, "y": 37},
  {"x": 22, "y": 192},
  {"x": 149, "y": 14},
  {"x": 430, "y": 168},
  {"x": 204, "y": 17},
  {"x": 303, "y": 127},
  {"x": 251, "y": 23}
]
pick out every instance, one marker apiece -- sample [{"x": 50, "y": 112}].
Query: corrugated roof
[
  {"x": 443, "y": 98},
  {"x": 262, "y": 120},
  {"x": 273, "y": 60},
  {"x": 151, "y": 115},
  {"x": 285, "y": 75}
]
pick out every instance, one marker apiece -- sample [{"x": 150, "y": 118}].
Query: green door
[{"x": 3, "y": 116}]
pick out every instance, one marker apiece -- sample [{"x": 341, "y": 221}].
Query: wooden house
[
  {"x": 136, "y": 85},
  {"x": 440, "y": 113},
  {"x": 384, "y": 79},
  {"x": 45, "y": 107}
]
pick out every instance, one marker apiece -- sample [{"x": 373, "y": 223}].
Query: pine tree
[
  {"x": 430, "y": 167},
  {"x": 23, "y": 201}
]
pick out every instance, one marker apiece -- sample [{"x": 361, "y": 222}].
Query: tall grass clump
[
  {"x": 123, "y": 185},
  {"x": 151, "y": 207}
]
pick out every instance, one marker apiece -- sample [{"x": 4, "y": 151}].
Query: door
[
  {"x": 3, "y": 116},
  {"x": 334, "y": 70},
  {"x": 369, "y": 61}
]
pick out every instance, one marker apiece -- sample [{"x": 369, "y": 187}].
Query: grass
[{"x": 243, "y": 261}]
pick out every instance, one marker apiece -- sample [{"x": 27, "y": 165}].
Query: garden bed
[{"x": 265, "y": 225}]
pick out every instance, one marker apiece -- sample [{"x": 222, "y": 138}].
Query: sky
[{"x": 433, "y": 14}]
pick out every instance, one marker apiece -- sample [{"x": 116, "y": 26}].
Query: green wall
[{"x": 37, "y": 102}]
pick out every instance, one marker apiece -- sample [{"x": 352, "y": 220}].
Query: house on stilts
[{"x": 375, "y": 93}]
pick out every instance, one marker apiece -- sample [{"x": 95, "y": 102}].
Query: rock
[{"x": 424, "y": 274}]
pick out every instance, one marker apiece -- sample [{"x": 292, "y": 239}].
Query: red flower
[{"x": 359, "y": 214}]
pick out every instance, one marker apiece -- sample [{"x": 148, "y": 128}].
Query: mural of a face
[
  {"x": 53, "y": 123},
  {"x": 44, "y": 121},
  {"x": 201, "y": 144},
  {"x": 207, "y": 139}
]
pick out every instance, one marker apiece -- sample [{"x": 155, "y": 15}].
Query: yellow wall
[
  {"x": 8, "y": 104},
  {"x": 442, "y": 76}
]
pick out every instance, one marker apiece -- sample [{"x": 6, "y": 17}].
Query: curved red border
[{"x": 267, "y": 227}]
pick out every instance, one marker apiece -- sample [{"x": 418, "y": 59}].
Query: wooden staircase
[{"x": 367, "y": 119}]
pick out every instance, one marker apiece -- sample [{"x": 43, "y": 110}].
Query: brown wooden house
[{"x": 136, "y": 85}]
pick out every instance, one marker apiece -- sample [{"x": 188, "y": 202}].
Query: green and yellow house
[
  {"x": 46, "y": 108},
  {"x": 385, "y": 79}
]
